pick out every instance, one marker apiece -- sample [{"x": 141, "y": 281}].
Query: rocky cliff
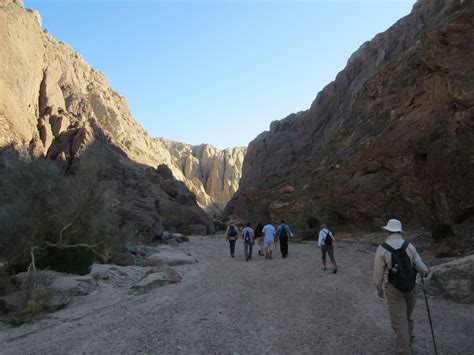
[
  {"x": 53, "y": 102},
  {"x": 391, "y": 136},
  {"x": 57, "y": 105},
  {"x": 212, "y": 174}
]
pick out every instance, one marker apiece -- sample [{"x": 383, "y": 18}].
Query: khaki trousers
[{"x": 401, "y": 306}]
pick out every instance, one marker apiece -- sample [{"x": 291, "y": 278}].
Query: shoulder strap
[
  {"x": 405, "y": 245},
  {"x": 388, "y": 247}
]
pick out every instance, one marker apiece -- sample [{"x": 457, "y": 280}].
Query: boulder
[
  {"x": 154, "y": 260},
  {"x": 157, "y": 279},
  {"x": 453, "y": 280},
  {"x": 172, "y": 259},
  {"x": 122, "y": 259}
]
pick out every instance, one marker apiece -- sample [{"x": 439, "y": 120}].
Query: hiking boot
[
  {"x": 334, "y": 271},
  {"x": 246, "y": 259},
  {"x": 232, "y": 255}
]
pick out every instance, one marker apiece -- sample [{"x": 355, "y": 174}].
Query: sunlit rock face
[
  {"x": 55, "y": 104},
  {"x": 391, "y": 136},
  {"x": 212, "y": 174}
]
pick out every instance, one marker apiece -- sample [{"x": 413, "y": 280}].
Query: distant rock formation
[
  {"x": 56, "y": 104},
  {"x": 392, "y": 136},
  {"x": 212, "y": 174}
]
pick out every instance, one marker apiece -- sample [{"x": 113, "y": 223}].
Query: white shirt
[
  {"x": 269, "y": 233},
  {"x": 322, "y": 235},
  {"x": 383, "y": 259}
]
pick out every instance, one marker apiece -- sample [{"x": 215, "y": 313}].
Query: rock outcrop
[
  {"x": 453, "y": 280},
  {"x": 392, "y": 136},
  {"x": 212, "y": 174},
  {"x": 53, "y": 102}
]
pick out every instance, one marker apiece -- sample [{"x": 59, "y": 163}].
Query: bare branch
[{"x": 73, "y": 245}]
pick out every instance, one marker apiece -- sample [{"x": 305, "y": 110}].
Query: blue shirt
[
  {"x": 280, "y": 228},
  {"x": 269, "y": 234}
]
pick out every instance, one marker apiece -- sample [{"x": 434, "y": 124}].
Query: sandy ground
[{"x": 228, "y": 305}]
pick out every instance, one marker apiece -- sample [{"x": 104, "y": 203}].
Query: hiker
[
  {"x": 325, "y": 242},
  {"x": 283, "y": 234},
  {"x": 269, "y": 235},
  {"x": 401, "y": 260},
  {"x": 232, "y": 234},
  {"x": 249, "y": 240},
  {"x": 259, "y": 237}
]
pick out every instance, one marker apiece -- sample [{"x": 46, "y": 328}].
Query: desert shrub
[
  {"x": 312, "y": 222},
  {"x": 73, "y": 260},
  {"x": 219, "y": 225},
  {"x": 35, "y": 298},
  {"x": 41, "y": 205},
  {"x": 441, "y": 232},
  {"x": 184, "y": 230}
]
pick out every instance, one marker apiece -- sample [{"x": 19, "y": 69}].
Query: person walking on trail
[
  {"x": 269, "y": 235},
  {"x": 400, "y": 260},
  {"x": 325, "y": 242},
  {"x": 283, "y": 233},
  {"x": 249, "y": 240},
  {"x": 259, "y": 237},
  {"x": 232, "y": 234}
]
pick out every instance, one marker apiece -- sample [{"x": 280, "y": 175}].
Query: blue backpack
[{"x": 247, "y": 236}]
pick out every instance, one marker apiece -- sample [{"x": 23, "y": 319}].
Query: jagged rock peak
[{"x": 211, "y": 173}]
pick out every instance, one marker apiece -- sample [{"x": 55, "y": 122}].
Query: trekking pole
[{"x": 429, "y": 315}]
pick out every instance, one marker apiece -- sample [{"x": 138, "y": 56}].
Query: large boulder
[
  {"x": 453, "y": 280},
  {"x": 157, "y": 279},
  {"x": 169, "y": 258}
]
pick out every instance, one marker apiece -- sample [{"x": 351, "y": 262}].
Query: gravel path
[{"x": 228, "y": 305}]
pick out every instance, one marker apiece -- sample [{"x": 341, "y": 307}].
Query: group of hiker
[
  {"x": 266, "y": 236},
  {"x": 396, "y": 258}
]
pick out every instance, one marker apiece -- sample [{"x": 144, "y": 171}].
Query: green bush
[
  {"x": 441, "y": 232},
  {"x": 38, "y": 200},
  {"x": 72, "y": 260}
]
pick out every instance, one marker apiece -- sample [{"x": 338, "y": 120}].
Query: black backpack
[
  {"x": 284, "y": 231},
  {"x": 328, "y": 238},
  {"x": 402, "y": 275},
  {"x": 232, "y": 231}
]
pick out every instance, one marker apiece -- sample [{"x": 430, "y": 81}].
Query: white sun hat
[{"x": 394, "y": 225}]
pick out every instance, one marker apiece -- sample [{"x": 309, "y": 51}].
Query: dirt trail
[{"x": 228, "y": 305}]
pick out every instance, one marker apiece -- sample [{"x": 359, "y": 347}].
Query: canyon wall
[
  {"x": 391, "y": 136},
  {"x": 55, "y": 104}
]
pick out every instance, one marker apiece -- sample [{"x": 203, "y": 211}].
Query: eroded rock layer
[{"x": 392, "y": 136}]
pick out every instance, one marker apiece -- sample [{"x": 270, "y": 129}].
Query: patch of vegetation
[
  {"x": 313, "y": 222},
  {"x": 184, "y": 230},
  {"x": 441, "y": 232},
  {"x": 43, "y": 206},
  {"x": 219, "y": 225}
]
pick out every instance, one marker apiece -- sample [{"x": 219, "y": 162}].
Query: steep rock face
[
  {"x": 54, "y": 103},
  {"x": 52, "y": 100},
  {"x": 212, "y": 174},
  {"x": 391, "y": 136}
]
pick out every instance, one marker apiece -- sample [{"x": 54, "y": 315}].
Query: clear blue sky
[{"x": 217, "y": 71}]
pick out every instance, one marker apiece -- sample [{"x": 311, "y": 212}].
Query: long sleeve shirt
[
  {"x": 322, "y": 236},
  {"x": 383, "y": 259}
]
